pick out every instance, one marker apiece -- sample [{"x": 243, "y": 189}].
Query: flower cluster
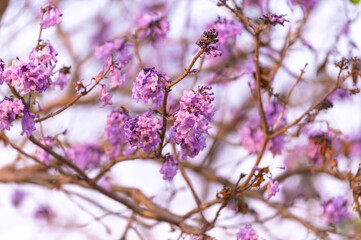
[
  {"x": 169, "y": 167},
  {"x": 142, "y": 131},
  {"x": 50, "y": 15},
  {"x": 274, "y": 19},
  {"x": 32, "y": 74},
  {"x": 86, "y": 156},
  {"x": 335, "y": 210},
  {"x": 10, "y": 109},
  {"x": 208, "y": 41},
  {"x": 115, "y": 132},
  {"x": 41, "y": 154},
  {"x": 152, "y": 26},
  {"x": 252, "y": 134},
  {"x": 150, "y": 85},
  {"x": 191, "y": 121},
  {"x": 227, "y": 29},
  {"x": 247, "y": 233}
]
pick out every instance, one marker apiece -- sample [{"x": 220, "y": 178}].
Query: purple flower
[
  {"x": 105, "y": 97},
  {"x": 274, "y": 19},
  {"x": 17, "y": 198},
  {"x": 252, "y": 135},
  {"x": 247, "y": 233},
  {"x": 86, "y": 156},
  {"x": 227, "y": 29},
  {"x": 44, "y": 212},
  {"x": 41, "y": 154},
  {"x": 142, "y": 131},
  {"x": 150, "y": 85},
  {"x": 191, "y": 121},
  {"x": 10, "y": 109},
  {"x": 115, "y": 132},
  {"x": 32, "y": 74},
  {"x": 272, "y": 188},
  {"x": 114, "y": 128},
  {"x": 62, "y": 79},
  {"x": 169, "y": 167},
  {"x": 208, "y": 41},
  {"x": 27, "y": 123},
  {"x": 117, "y": 49},
  {"x": 50, "y": 15},
  {"x": 152, "y": 26},
  {"x": 335, "y": 210},
  {"x": 116, "y": 78}
]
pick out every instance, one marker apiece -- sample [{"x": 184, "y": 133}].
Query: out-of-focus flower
[
  {"x": 227, "y": 29},
  {"x": 252, "y": 134},
  {"x": 152, "y": 26},
  {"x": 105, "y": 97},
  {"x": 41, "y": 154},
  {"x": 50, "y": 15},
  {"x": 85, "y": 156},
  {"x": 335, "y": 210},
  {"x": 169, "y": 167},
  {"x": 17, "y": 198},
  {"x": 274, "y": 19},
  {"x": 272, "y": 188},
  {"x": 247, "y": 233},
  {"x": 44, "y": 212}
]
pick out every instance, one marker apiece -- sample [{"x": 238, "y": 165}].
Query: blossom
[
  {"x": 32, "y": 73},
  {"x": 85, "y": 156},
  {"x": 117, "y": 49},
  {"x": 207, "y": 43},
  {"x": 115, "y": 132},
  {"x": 114, "y": 128},
  {"x": 227, "y": 29},
  {"x": 142, "y": 131},
  {"x": 50, "y": 15},
  {"x": 191, "y": 121},
  {"x": 27, "y": 123},
  {"x": 105, "y": 97},
  {"x": 17, "y": 197},
  {"x": 274, "y": 19},
  {"x": 150, "y": 85},
  {"x": 10, "y": 109},
  {"x": 44, "y": 212},
  {"x": 247, "y": 233},
  {"x": 41, "y": 154},
  {"x": 116, "y": 78},
  {"x": 62, "y": 79},
  {"x": 169, "y": 167},
  {"x": 152, "y": 26},
  {"x": 252, "y": 134},
  {"x": 272, "y": 188},
  {"x": 335, "y": 210}
]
